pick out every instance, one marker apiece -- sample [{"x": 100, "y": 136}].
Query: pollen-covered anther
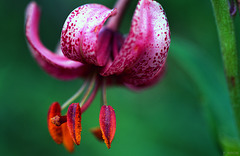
[
  {"x": 74, "y": 122},
  {"x": 67, "y": 139},
  {"x": 107, "y": 120},
  {"x": 55, "y": 131}
]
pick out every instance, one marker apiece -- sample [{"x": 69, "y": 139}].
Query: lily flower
[{"x": 98, "y": 53}]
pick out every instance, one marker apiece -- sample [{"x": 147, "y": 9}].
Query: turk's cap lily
[
  {"x": 87, "y": 45},
  {"x": 91, "y": 49}
]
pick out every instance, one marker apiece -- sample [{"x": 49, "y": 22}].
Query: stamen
[
  {"x": 104, "y": 94},
  {"x": 91, "y": 97},
  {"x": 117, "y": 43},
  {"x": 77, "y": 94},
  {"x": 90, "y": 87}
]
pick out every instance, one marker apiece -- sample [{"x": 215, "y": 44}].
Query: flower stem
[
  {"x": 228, "y": 47},
  {"x": 114, "y": 22},
  {"x": 229, "y": 53}
]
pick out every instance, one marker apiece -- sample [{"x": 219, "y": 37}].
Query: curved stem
[
  {"x": 114, "y": 22},
  {"x": 229, "y": 53}
]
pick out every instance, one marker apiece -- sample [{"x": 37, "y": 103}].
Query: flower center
[{"x": 109, "y": 44}]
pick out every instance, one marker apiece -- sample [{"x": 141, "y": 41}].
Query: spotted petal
[
  {"x": 144, "y": 51},
  {"x": 56, "y": 65},
  {"x": 132, "y": 47},
  {"x": 148, "y": 83},
  {"x": 80, "y": 34},
  {"x": 156, "y": 46}
]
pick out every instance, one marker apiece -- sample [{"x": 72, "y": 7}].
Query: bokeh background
[{"x": 183, "y": 115}]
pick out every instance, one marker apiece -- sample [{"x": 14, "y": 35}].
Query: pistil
[
  {"x": 59, "y": 120},
  {"x": 114, "y": 22}
]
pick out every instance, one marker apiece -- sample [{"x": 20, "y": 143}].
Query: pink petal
[
  {"x": 145, "y": 49},
  {"x": 80, "y": 34},
  {"x": 155, "y": 47},
  {"x": 148, "y": 83},
  {"x": 56, "y": 65},
  {"x": 132, "y": 47}
]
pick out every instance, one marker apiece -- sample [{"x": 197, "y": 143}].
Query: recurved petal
[
  {"x": 67, "y": 139},
  {"x": 74, "y": 122},
  {"x": 147, "y": 83},
  {"x": 107, "y": 120},
  {"x": 80, "y": 33},
  {"x": 56, "y": 65},
  {"x": 145, "y": 49},
  {"x": 156, "y": 46},
  {"x": 133, "y": 45},
  {"x": 55, "y": 131}
]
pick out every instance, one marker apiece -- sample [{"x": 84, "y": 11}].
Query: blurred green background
[{"x": 183, "y": 115}]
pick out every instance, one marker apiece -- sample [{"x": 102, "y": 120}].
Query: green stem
[{"x": 229, "y": 53}]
